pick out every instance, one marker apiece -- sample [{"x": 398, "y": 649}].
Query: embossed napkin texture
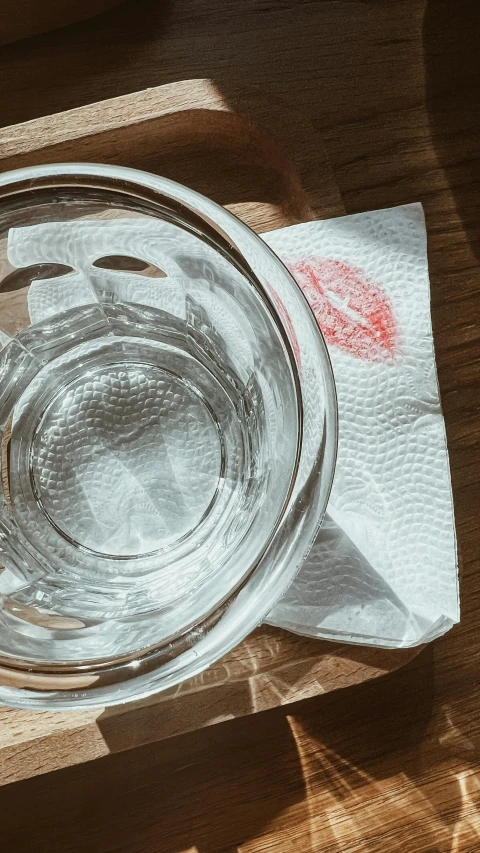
[{"x": 383, "y": 570}]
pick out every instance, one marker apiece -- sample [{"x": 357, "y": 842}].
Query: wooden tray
[{"x": 271, "y": 169}]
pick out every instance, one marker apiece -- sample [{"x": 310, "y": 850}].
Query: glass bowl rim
[{"x": 137, "y": 681}]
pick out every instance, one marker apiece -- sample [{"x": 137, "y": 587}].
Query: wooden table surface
[{"x": 393, "y": 86}]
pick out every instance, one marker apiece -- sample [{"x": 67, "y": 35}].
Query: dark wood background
[{"x": 393, "y": 87}]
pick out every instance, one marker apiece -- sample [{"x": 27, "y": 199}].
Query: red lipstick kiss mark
[{"x": 353, "y": 313}]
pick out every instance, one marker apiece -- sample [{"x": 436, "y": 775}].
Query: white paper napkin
[{"x": 383, "y": 570}]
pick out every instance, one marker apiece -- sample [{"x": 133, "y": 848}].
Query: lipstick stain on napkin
[{"x": 353, "y": 313}]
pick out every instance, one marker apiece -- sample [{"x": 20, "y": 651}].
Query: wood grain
[
  {"x": 20, "y": 19},
  {"x": 273, "y": 174},
  {"x": 251, "y": 154},
  {"x": 393, "y": 87}
]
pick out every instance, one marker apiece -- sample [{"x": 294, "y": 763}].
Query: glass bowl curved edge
[{"x": 292, "y": 540}]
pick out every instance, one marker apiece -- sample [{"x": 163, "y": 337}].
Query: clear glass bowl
[{"x": 168, "y": 424}]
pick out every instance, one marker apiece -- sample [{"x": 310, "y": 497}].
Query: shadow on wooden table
[
  {"x": 84, "y": 62},
  {"x": 235, "y": 783},
  {"x": 352, "y": 748},
  {"x": 271, "y": 668},
  {"x": 209, "y": 794},
  {"x": 328, "y": 76},
  {"x": 451, "y": 38}
]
